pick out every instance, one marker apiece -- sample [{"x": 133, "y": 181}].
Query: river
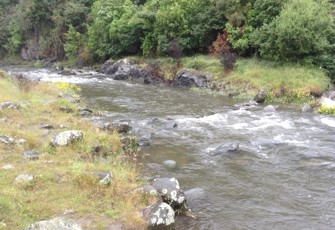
[{"x": 282, "y": 176}]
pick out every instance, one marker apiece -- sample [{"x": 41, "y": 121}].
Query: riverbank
[
  {"x": 284, "y": 82},
  {"x": 87, "y": 179}
]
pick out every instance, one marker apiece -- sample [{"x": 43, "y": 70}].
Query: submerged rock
[
  {"x": 159, "y": 214},
  {"x": 189, "y": 78},
  {"x": 261, "y": 96},
  {"x": 170, "y": 191},
  {"x": 9, "y": 105},
  {"x": 67, "y": 137},
  {"x": 226, "y": 148},
  {"x": 59, "y": 223},
  {"x": 67, "y": 72},
  {"x": 170, "y": 163}
]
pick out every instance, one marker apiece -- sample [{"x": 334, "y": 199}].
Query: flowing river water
[{"x": 282, "y": 176}]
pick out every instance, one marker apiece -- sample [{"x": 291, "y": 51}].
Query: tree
[{"x": 303, "y": 28}]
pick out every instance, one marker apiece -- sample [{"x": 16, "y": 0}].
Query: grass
[
  {"x": 61, "y": 179},
  {"x": 285, "y": 82}
]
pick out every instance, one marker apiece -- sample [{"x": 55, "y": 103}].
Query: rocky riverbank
[{"x": 62, "y": 171}]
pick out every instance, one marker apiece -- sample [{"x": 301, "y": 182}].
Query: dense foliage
[{"x": 294, "y": 30}]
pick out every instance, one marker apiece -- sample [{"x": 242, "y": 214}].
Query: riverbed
[{"x": 281, "y": 177}]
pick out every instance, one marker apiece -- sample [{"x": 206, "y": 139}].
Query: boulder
[
  {"x": 67, "y": 137},
  {"x": 269, "y": 108},
  {"x": 226, "y": 148},
  {"x": 123, "y": 70},
  {"x": 31, "y": 155},
  {"x": 170, "y": 191},
  {"x": 9, "y": 105},
  {"x": 59, "y": 223},
  {"x": 7, "y": 140},
  {"x": 191, "y": 78},
  {"x": 106, "y": 65},
  {"x": 160, "y": 214},
  {"x": 24, "y": 179},
  {"x": 261, "y": 96},
  {"x": 306, "y": 108}
]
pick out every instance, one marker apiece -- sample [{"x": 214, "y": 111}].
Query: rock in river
[
  {"x": 226, "y": 148},
  {"x": 159, "y": 214},
  {"x": 170, "y": 191},
  {"x": 261, "y": 96}
]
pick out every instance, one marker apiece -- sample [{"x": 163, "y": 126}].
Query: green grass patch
[
  {"x": 285, "y": 82},
  {"x": 61, "y": 179}
]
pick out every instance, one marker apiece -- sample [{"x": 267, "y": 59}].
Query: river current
[{"x": 282, "y": 176}]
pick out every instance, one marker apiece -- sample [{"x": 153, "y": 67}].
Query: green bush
[{"x": 303, "y": 28}]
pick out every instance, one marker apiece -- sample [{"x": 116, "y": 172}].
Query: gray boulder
[
  {"x": 67, "y": 137},
  {"x": 160, "y": 214},
  {"x": 170, "y": 191},
  {"x": 59, "y": 223},
  {"x": 6, "y": 140},
  {"x": 269, "y": 108},
  {"x": 191, "y": 78},
  {"x": 261, "y": 96},
  {"x": 226, "y": 148},
  {"x": 31, "y": 155},
  {"x": 123, "y": 70},
  {"x": 306, "y": 108},
  {"x": 9, "y": 105}
]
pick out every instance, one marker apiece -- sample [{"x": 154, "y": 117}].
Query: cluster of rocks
[
  {"x": 126, "y": 69},
  {"x": 171, "y": 199}
]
